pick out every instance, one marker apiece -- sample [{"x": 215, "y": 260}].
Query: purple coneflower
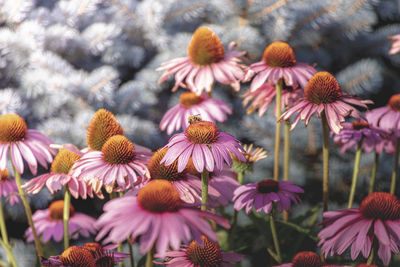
[
  {"x": 251, "y": 156},
  {"x": 395, "y": 44},
  {"x": 24, "y": 143},
  {"x": 205, "y": 62},
  {"x": 157, "y": 215},
  {"x": 377, "y": 222},
  {"x": 209, "y": 109},
  {"x": 306, "y": 259},
  {"x": 207, "y": 254},
  {"x": 49, "y": 223},
  {"x": 8, "y": 187}
]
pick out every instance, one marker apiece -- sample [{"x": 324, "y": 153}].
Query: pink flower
[
  {"x": 324, "y": 96},
  {"x": 157, "y": 215},
  {"x": 205, "y": 62},
  {"x": 207, "y": 254},
  {"x": 190, "y": 104},
  {"x": 8, "y": 187},
  {"x": 395, "y": 44},
  {"x": 49, "y": 223},
  {"x": 119, "y": 162},
  {"x": 205, "y": 144},
  {"x": 278, "y": 62},
  {"x": 306, "y": 259},
  {"x": 24, "y": 143},
  {"x": 263, "y": 194},
  {"x": 377, "y": 221},
  {"x": 387, "y": 117}
]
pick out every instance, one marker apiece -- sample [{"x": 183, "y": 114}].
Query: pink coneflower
[
  {"x": 205, "y": 62},
  {"x": 323, "y": 94},
  {"x": 49, "y": 223},
  {"x": 279, "y": 62},
  {"x": 261, "y": 97},
  {"x": 157, "y": 215},
  {"x": 377, "y": 221},
  {"x": 207, "y": 146},
  {"x": 263, "y": 194},
  {"x": 387, "y": 117},
  {"x": 251, "y": 156},
  {"x": 357, "y": 131},
  {"x": 119, "y": 162},
  {"x": 395, "y": 44},
  {"x": 8, "y": 187},
  {"x": 24, "y": 143},
  {"x": 209, "y": 109},
  {"x": 207, "y": 254},
  {"x": 306, "y": 259}
]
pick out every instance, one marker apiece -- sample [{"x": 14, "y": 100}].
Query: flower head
[
  {"x": 278, "y": 62},
  {"x": 395, "y": 44},
  {"x": 190, "y": 104},
  {"x": 251, "y": 157},
  {"x": 323, "y": 94},
  {"x": 377, "y": 220},
  {"x": 205, "y": 144},
  {"x": 157, "y": 215},
  {"x": 49, "y": 223},
  {"x": 306, "y": 259},
  {"x": 207, "y": 254},
  {"x": 8, "y": 187},
  {"x": 387, "y": 117},
  {"x": 24, "y": 143},
  {"x": 205, "y": 62},
  {"x": 263, "y": 194}
]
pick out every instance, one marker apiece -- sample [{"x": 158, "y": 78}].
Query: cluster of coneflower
[{"x": 167, "y": 201}]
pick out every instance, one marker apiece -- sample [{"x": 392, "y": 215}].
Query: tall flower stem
[
  {"x": 355, "y": 173},
  {"x": 325, "y": 155},
  {"x": 286, "y": 159},
  {"x": 4, "y": 236},
  {"x": 149, "y": 258},
  {"x": 66, "y": 214},
  {"x": 278, "y": 104},
  {"x": 232, "y": 230},
  {"x": 28, "y": 211},
  {"x": 373, "y": 173},
  {"x": 371, "y": 256},
  {"x": 395, "y": 166},
  {"x": 204, "y": 189},
  {"x": 132, "y": 260},
  {"x": 278, "y": 257}
]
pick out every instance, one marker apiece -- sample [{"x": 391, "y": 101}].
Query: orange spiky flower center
[
  {"x": 394, "y": 102},
  {"x": 118, "y": 150},
  {"x": 56, "y": 209},
  {"x": 268, "y": 186},
  {"x": 202, "y": 132},
  {"x": 380, "y": 206},
  {"x": 159, "y": 196},
  {"x": 358, "y": 125},
  {"x": 160, "y": 171},
  {"x": 189, "y": 99},
  {"x": 306, "y": 259},
  {"x": 207, "y": 255},
  {"x": 63, "y": 161},
  {"x": 77, "y": 257},
  {"x": 205, "y": 47},
  {"x": 4, "y": 175},
  {"x": 12, "y": 128},
  {"x": 94, "y": 247},
  {"x": 105, "y": 260},
  {"x": 279, "y": 54},
  {"x": 323, "y": 88},
  {"x": 102, "y": 126}
]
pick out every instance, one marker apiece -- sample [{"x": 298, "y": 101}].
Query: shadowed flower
[
  {"x": 323, "y": 95},
  {"x": 395, "y": 44},
  {"x": 119, "y": 162},
  {"x": 157, "y": 215},
  {"x": 24, "y": 143},
  {"x": 49, "y": 223},
  {"x": 306, "y": 259},
  {"x": 8, "y": 187},
  {"x": 352, "y": 133},
  {"x": 194, "y": 255},
  {"x": 377, "y": 221},
  {"x": 251, "y": 157},
  {"x": 207, "y": 146},
  {"x": 278, "y": 62},
  {"x": 205, "y": 62},
  {"x": 209, "y": 109},
  {"x": 263, "y": 194}
]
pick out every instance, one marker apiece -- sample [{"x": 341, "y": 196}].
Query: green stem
[
  {"x": 373, "y": 173},
  {"x": 371, "y": 256},
  {"x": 28, "y": 211},
  {"x": 286, "y": 160},
  {"x": 204, "y": 189},
  {"x": 240, "y": 177},
  {"x": 395, "y": 167},
  {"x": 355, "y": 174},
  {"x": 278, "y": 104},
  {"x": 275, "y": 237},
  {"x": 149, "y": 258},
  {"x": 325, "y": 155},
  {"x": 67, "y": 204},
  {"x": 4, "y": 235},
  {"x": 132, "y": 260},
  {"x": 232, "y": 230}
]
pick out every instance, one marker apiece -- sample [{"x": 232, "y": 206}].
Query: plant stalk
[
  {"x": 4, "y": 236},
  {"x": 149, "y": 258},
  {"x": 395, "y": 166},
  {"x": 325, "y": 155},
  {"x": 373, "y": 173},
  {"x": 132, "y": 260},
  {"x": 275, "y": 237},
  {"x": 204, "y": 189},
  {"x": 66, "y": 214},
  {"x": 278, "y": 104},
  {"x": 355, "y": 174},
  {"x": 286, "y": 160}
]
